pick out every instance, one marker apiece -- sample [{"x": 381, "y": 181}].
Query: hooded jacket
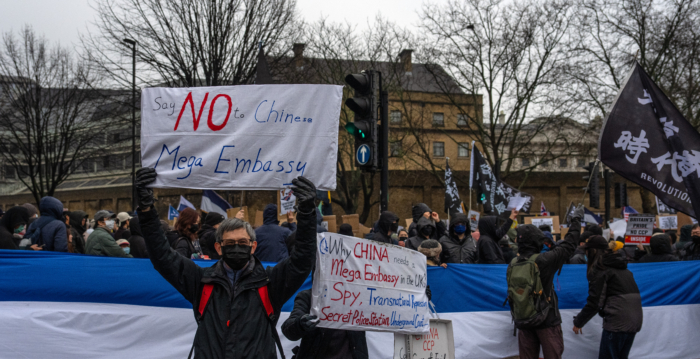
[
  {"x": 50, "y": 229},
  {"x": 530, "y": 240},
  {"x": 136, "y": 241},
  {"x": 77, "y": 230},
  {"x": 207, "y": 239},
  {"x": 417, "y": 213},
  {"x": 383, "y": 227},
  {"x": 235, "y": 324},
  {"x": 685, "y": 237},
  {"x": 271, "y": 238},
  {"x": 414, "y": 242},
  {"x": 661, "y": 250},
  {"x": 614, "y": 295},
  {"x": 14, "y": 217},
  {"x": 455, "y": 250},
  {"x": 316, "y": 343},
  {"x": 488, "y": 251}
]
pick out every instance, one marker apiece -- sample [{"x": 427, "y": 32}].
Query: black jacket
[
  {"x": 614, "y": 295},
  {"x": 661, "y": 250},
  {"x": 579, "y": 256},
  {"x": 415, "y": 241},
  {"x": 549, "y": 264},
  {"x": 249, "y": 333},
  {"x": 14, "y": 217},
  {"x": 136, "y": 241},
  {"x": 315, "y": 344},
  {"x": 185, "y": 247},
  {"x": 488, "y": 251},
  {"x": 417, "y": 213},
  {"x": 207, "y": 238},
  {"x": 455, "y": 250},
  {"x": 78, "y": 230}
]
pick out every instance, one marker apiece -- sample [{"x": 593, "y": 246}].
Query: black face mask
[
  {"x": 236, "y": 256},
  {"x": 394, "y": 227},
  {"x": 427, "y": 231},
  {"x": 696, "y": 239},
  {"x": 194, "y": 228}
]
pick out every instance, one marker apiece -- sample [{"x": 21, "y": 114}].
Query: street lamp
[{"x": 133, "y": 121}]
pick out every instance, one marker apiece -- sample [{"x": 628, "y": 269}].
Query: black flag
[
  {"x": 490, "y": 191},
  {"x": 648, "y": 141},
  {"x": 262, "y": 72},
  {"x": 453, "y": 204}
]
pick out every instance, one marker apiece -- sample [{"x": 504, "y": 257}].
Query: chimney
[
  {"x": 299, "y": 55},
  {"x": 502, "y": 118},
  {"x": 405, "y": 57}
]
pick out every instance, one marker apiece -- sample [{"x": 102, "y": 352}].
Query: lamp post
[{"x": 133, "y": 121}]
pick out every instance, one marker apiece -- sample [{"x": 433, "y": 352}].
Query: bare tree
[
  {"x": 188, "y": 42},
  {"x": 514, "y": 55},
  {"x": 661, "y": 34},
  {"x": 46, "y": 109}
]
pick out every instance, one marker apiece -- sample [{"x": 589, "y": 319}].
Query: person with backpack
[
  {"x": 533, "y": 301},
  {"x": 49, "y": 231},
  {"x": 236, "y": 301},
  {"x": 612, "y": 293}
]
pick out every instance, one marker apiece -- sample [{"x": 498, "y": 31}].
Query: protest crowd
[{"x": 291, "y": 244}]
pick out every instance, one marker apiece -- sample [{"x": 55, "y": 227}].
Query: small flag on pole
[
  {"x": 184, "y": 204},
  {"x": 212, "y": 202},
  {"x": 543, "y": 209},
  {"x": 172, "y": 213}
]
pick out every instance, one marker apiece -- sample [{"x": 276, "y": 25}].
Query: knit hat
[
  {"x": 213, "y": 218},
  {"x": 596, "y": 242},
  {"x": 430, "y": 248}
]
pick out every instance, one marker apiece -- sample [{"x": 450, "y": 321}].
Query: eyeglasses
[{"x": 233, "y": 242}]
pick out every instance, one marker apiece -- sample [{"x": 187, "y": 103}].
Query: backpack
[{"x": 529, "y": 306}]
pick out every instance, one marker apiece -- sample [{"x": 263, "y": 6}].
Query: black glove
[
  {"x": 144, "y": 177},
  {"x": 308, "y": 322},
  {"x": 579, "y": 212},
  {"x": 305, "y": 192},
  {"x": 428, "y": 293}
]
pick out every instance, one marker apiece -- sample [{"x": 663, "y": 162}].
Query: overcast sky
[{"x": 63, "y": 20}]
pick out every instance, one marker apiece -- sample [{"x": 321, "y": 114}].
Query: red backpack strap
[
  {"x": 265, "y": 297},
  {"x": 206, "y": 293}
]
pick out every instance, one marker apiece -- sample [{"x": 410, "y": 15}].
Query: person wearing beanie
[
  {"x": 421, "y": 210},
  {"x": 432, "y": 249},
  {"x": 207, "y": 234},
  {"x": 346, "y": 230},
  {"x": 614, "y": 295}
]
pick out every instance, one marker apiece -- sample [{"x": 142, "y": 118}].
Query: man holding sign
[{"x": 236, "y": 301}]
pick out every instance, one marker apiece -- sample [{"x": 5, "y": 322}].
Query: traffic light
[
  {"x": 365, "y": 105},
  {"x": 621, "y": 195},
  {"x": 593, "y": 180}
]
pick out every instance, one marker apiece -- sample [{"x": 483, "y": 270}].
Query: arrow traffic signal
[{"x": 365, "y": 105}]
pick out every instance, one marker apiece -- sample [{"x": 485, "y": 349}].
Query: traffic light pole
[
  {"x": 608, "y": 183},
  {"x": 384, "y": 149}
]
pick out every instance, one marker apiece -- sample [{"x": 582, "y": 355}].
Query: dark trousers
[
  {"x": 615, "y": 345},
  {"x": 551, "y": 339}
]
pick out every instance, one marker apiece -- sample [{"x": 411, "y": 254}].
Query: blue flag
[{"x": 172, "y": 213}]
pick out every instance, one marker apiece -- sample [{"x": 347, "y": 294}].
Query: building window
[
  {"x": 581, "y": 162},
  {"x": 438, "y": 119},
  {"x": 438, "y": 149},
  {"x": 463, "y": 149},
  {"x": 395, "y": 118},
  {"x": 10, "y": 172},
  {"x": 525, "y": 162},
  {"x": 563, "y": 163},
  {"x": 395, "y": 149},
  {"x": 462, "y": 120}
]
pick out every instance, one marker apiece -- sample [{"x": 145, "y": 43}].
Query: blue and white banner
[
  {"x": 590, "y": 217},
  {"x": 172, "y": 213},
  {"x": 55, "y": 305},
  {"x": 212, "y": 202},
  {"x": 184, "y": 204}
]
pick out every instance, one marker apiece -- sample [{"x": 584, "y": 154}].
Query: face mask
[
  {"x": 427, "y": 231},
  {"x": 696, "y": 239},
  {"x": 19, "y": 229},
  {"x": 109, "y": 224},
  {"x": 127, "y": 250},
  {"x": 403, "y": 238},
  {"x": 236, "y": 256},
  {"x": 394, "y": 227},
  {"x": 194, "y": 228},
  {"x": 460, "y": 229}
]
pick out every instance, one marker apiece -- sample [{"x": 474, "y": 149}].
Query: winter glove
[
  {"x": 144, "y": 177},
  {"x": 579, "y": 212},
  {"x": 428, "y": 293},
  {"x": 305, "y": 192},
  {"x": 308, "y": 322}
]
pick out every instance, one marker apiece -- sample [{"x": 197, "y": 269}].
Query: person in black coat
[
  {"x": 235, "y": 319},
  {"x": 13, "y": 221},
  {"x": 421, "y": 210},
  {"x": 488, "y": 251},
  {"x": 425, "y": 230},
  {"x": 458, "y": 245},
  {"x": 271, "y": 237},
  {"x": 387, "y": 225},
  {"x": 136, "y": 241},
  {"x": 320, "y": 342},
  {"x": 661, "y": 250},
  {"x": 612, "y": 293},
  {"x": 207, "y": 235},
  {"x": 78, "y": 221}
]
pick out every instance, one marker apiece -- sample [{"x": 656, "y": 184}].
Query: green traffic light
[{"x": 353, "y": 130}]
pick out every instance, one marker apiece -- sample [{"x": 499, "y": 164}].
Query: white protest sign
[
  {"x": 516, "y": 203},
  {"x": 639, "y": 229},
  {"x": 474, "y": 220},
  {"x": 438, "y": 344},
  {"x": 241, "y": 137},
  {"x": 543, "y": 221},
  {"x": 619, "y": 228},
  {"x": 287, "y": 201},
  {"x": 366, "y": 285},
  {"x": 668, "y": 222}
]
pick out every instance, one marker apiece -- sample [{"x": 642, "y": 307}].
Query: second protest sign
[{"x": 367, "y": 285}]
